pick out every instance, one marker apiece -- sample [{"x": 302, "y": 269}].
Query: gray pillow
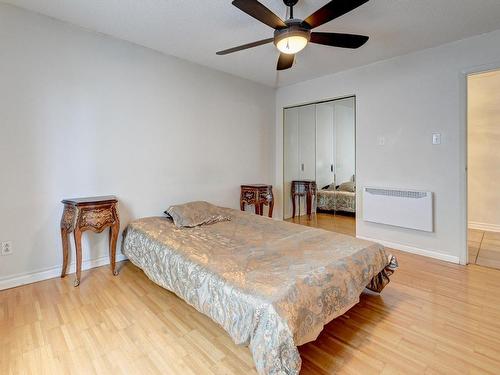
[
  {"x": 348, "y": 186},
  {"x": 197, "y": 213}
]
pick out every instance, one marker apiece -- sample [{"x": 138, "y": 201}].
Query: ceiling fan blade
[
  {"x": 285, "y": 61},
  {"x": 332, "y": 10},
  {"x": 339, "y": 40},
  {"x": 245, "y": 46},
  {"x": 260, "y": 12}
]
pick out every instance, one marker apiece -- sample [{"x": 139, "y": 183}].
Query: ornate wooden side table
[
  {"x": 303, "y": 188},
  {"x": 95, "y": 214},
  {"x": 258, "y": 195}
]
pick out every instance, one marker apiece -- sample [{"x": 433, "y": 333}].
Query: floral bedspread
[
  {"x": 271, "y": 285},
  {"x": 336, "y": 200}
]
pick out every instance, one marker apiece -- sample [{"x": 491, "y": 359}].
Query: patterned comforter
[
  {"x": 271, "y": 285},
  {"x": 336, "y": 200}
]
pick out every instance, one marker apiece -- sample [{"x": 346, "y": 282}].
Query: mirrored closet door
[{"x": 319, "y": 146}]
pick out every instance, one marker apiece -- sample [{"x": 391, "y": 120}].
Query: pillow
[
  {"x": 348, "y": 186},
  {"x": 329, "y": 187},
  {"x": 193, "y": 214}
]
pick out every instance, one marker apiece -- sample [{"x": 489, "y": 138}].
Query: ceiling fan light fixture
[
  {"x": 293, "y": 35},
  {"x": 292, "y": 39}
]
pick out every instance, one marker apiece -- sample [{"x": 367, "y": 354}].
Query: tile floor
[{"x": 484, "y": 248}]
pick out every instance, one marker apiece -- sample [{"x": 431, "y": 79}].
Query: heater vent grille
[
  {"x": 397, "y": 193},
  {"x": 402, "y": 208}
]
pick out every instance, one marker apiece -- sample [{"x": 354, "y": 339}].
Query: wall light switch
[
  {"x": 436, "y": 138},
  {"x": 380, "y": 140}
]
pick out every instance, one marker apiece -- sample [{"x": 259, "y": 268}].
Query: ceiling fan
[{"x": 293, "y": 35}]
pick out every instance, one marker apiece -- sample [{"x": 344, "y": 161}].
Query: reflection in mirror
[{"x": 320, "y": 147}]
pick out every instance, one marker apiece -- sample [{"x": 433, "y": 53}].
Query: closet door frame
[
  {"x": 354, "y": 97},
  {"x": 290, "y": 171}
]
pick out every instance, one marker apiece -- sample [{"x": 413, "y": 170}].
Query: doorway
[
  {"x": 483, "y": 168},
  {"x": 319, "y": 149}
]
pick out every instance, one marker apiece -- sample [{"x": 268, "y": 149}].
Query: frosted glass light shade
[{"x": 292, "y": 44}]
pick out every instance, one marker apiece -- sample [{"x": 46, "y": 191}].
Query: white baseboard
[
  {"x": 415, "y": 250},
  {"x": 484, "y": 226},
  {"x": 49, "y": 273}
]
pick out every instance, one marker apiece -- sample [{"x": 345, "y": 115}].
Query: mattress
[
  {"x": 336, "y": 200},
  {"x": 271, "y": 285}
]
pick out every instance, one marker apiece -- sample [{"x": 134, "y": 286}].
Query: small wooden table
[
  {"x": 95, "y": 214},
  {"x": 303, "y": 188},
  {"x": 258, "y": 195}
]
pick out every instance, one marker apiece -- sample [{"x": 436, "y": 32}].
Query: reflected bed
[
  {"x": 336, "y": 200},
  {"x": 271, "y": 285}
]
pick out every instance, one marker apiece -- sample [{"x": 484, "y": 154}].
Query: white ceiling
[{"x": 195, "y": 29}]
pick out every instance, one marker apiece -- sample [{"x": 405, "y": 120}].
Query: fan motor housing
[
  {"x": 290, "y": 3},
  {"x": 295, "y": 27}
]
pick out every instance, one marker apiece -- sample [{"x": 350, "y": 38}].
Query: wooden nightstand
[
  {"x": 258, "y": 195},
  {"x": 95, "y": 214},
  {"x": 303, "y": 188}
]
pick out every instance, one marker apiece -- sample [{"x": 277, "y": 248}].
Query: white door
[
  {"x": 291, "y": 157},
  {"x": 307, "y": 142},
  {"x": 324, "y": 144},
  {"x": 345, "y": 141},
  {"x": 307, "y": 148}
]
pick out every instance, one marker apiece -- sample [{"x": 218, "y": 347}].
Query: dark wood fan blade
[
  {"x": 285, "y": 61},
  {"x": 332, "y": 10},
  {"x": 260, "y": 12},
  {"x": 245, "y": 46},
  {"x": 338, "y": 40}
]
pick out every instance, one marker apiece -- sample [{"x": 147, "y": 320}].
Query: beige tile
[
  {"x": 492, "y": 236},
  {"x": 492, "y": 245},
  {"x": 475, "y": 235},
  {"x": 473, "y": 244},
  {"x": 472, "y": 259},
  {"x": 488, "y": 263},
  {"x": 488, "y": 258},
  {"x": 473, "y": 250},
  {"x": 490, "y": 254}
]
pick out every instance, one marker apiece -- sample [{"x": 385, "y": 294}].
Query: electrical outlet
[
  {"x": 436, "y": 138},
  {"x": 7, "y": 248}
]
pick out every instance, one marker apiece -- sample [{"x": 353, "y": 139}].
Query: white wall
[
  {"x": 484, "y": 150},
  {"x": 406, "y": 99},
  {"x": 83, "y": 114}
]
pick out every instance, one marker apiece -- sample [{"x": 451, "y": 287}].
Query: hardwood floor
[
  {"x": 484, "y": 248},
  {"x": 336, "y": 223},
  {"x": 433, "y": 318}
]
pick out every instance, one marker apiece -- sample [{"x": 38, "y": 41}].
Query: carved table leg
[
  {"x": 65, "y": 246},
  {"x": 261, "y": 209},
  {"x": 113, "y": 235},
  {"x": 242, "y": 205},
  {"x": 78, "y": 246},
  {"x": 67, "y": 226},
  {"x": 271, "y": 206},
  {"x": 257, "y": 208},
  {"x": 293, "y": 205},
  {"x": 309, "y": 204}
]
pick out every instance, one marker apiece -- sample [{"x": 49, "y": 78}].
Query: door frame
[
  {"x": 283, "y": 195},
  {"x": 463, "y": 153}
]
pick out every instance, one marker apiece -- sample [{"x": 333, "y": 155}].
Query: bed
[
  {"x": 336, "y": 200},
  {"x": 270, "y": 284}
]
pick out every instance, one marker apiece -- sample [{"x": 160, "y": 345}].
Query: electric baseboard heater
[{"x": 402, "y": 208}]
